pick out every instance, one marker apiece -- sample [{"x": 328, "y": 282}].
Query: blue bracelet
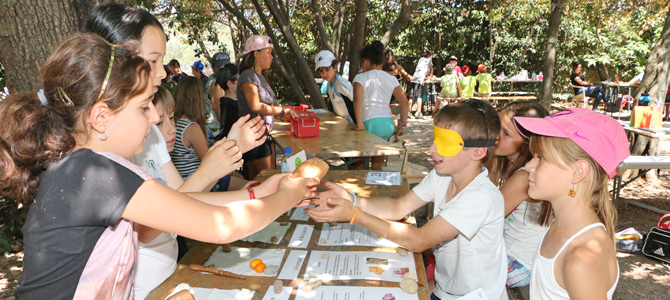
[{"x": 355, "y": 198}]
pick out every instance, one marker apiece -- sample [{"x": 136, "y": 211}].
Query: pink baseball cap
[
  {"x": 257, "y": 42},
  {"x": 599, "y": 135}
]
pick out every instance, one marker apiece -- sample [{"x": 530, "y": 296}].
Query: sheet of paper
[
  {"x": 292, "y": 265},
  {"x": 238, "y": 259},
  {"x": 295, "y": 160},
  {"x": 217, "y": 294},
  {"x": 301, "y": 236},
  {"x": 477, "y": 294},
  {"x": 275, "y": 229},
  {"x": 351, "y": 235},
  {"x": 383, "y": 178},
  {"x": 284, "y": 295},
  {"x": 299, "y": 213},
  {"x": 327, "y": 292},
  {"x": 318, "y": 110},
  {"x": 368, "y": 265}
]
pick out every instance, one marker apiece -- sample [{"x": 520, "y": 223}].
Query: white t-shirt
[
  {"x": 422, "y": 68},
  {"x": 341, "y": 95},
  {"x": 476, "y": 258},
  {"x": 523, "y": 232},
  {"x": 378, "y": 88},
  {"x": 157, "y": 260}
]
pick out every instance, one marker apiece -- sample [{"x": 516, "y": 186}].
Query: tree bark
[
  {"x": 550, "y": 56},
  {"x": 406, "y": 10},
  {"x": 283, "y": 64},
  {"x": 304, "y": 69},
  {"x": 656, "y": 74},
  {"x": 337, "y": 27},
  {"x": 236, "y": 12},
  {"x": 323, "y": 35},
  {"x": 30, "y": 30},
  {"x": 357, "y": 41}
]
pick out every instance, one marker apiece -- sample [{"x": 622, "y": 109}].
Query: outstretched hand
[
  {"x": 222, "y": 158},
  {"x": 332, "y": 210},
  {"x": 298, "y": 186},
  {"x": 249, "y": 133}
]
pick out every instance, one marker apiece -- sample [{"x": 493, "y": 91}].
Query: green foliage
[{"x": 12, "y": 219}]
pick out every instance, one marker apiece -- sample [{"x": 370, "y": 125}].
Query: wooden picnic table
[
  {"x": 496, "y": 99},
  {"x": 336, "y": 140},
  {"x": 353, "y": 180},
  {"x": 513, "y": 81}
]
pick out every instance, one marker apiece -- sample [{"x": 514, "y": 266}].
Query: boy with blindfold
[{"x": 466, "y": 232}]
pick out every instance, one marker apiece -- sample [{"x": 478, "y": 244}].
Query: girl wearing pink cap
[
  {"x": 575, "y": 153},
  {"x": 256, "y": 97}
]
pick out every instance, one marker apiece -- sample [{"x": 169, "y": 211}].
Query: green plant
[{"x": 12, "y": 219}]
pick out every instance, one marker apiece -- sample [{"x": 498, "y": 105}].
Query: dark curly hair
[{"x": 33, "y": 134}]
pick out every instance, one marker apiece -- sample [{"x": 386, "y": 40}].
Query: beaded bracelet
[
  {"x": 355, "y": 213},
  {"x": 355, "y": 198}
]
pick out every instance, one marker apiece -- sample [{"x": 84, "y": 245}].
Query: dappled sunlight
[{"x": 657, "y": 272}]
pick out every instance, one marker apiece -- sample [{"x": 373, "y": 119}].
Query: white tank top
[{"x": 543, "y": 284}]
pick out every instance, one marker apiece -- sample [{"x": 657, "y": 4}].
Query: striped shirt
[{"x": 184, "y": 158}]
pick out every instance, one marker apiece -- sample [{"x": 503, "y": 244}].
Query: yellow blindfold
[{"x": 449, "y": 143}]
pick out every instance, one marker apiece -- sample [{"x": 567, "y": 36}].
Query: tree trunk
[
  {"x": 303, "y": 67},
  {"x": 323, "y": 35},
  {"x": 550, "y": 57},
  {"x": 358, "y": 36},
  {"x": 337, "y": 28},
  {"x": 283, "y": 64},
  {"x": 406, "y": 10},
  {"x": 656, "y": 74},
  {"x": 202, "y": 46},
  {"x": 30, "y": 30}
]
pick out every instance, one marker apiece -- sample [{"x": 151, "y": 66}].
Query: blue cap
[
  {"x": 198, "y": 65},
  {"x": 288, "y": 150}
]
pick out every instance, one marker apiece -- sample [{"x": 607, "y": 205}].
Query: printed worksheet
[
  {"x": 383, "y": 178},
  {"x": 354, "y": 292},
  {"x": 216, "y": 294},
  {"x": 238, "y": 259},
  {"x": 301, "y": 236},
  {"x": 271, "y": 234},
  {"x": 368, "y": 265},
  {"x": 351, "y": 235},
  {"x": 293, "y": 264}
]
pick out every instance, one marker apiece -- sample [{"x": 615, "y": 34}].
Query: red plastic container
[
  {"x": 307, "y": 126},
  {"x": 301, "y": 107}
]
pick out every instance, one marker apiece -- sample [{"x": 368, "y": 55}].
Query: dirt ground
[{"x": 641, "y": 277}]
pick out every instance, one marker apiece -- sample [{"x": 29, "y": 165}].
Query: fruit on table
[
  {"x": 255, "y": 262},
  {"x": 259, "y": 268}
]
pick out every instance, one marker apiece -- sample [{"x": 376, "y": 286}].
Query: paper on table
[
  {"x": 301, "y": 236},
  {"x": 329, "y": 292},
  {"x": 352, "y": 265},
  {"x": 351, "y": 235},
  {"x": 284, "y": 295},
  {"x": 265, "y": 235},
  {"x": 295, "y": 160},
  {"x": 237, "y": 260},
  {"x": 216, "y": 294},
  {"x": 292, "y": 265},
  {"x": 299, "y": 213},
  {"x": 383, "y": 178},
  {"x": 477, "y": 294}
]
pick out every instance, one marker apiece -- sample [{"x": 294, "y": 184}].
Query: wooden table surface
[
  {"x": 661, "y": 133},
  {"x": 353, "y": 180},
  {"x": 336, "y": 139}
]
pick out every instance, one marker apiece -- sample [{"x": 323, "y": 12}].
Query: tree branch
[
  {"x": 323, "y": 35},
  {"x": 402, "y": 19},
  {"x": 239, "y": 16}
]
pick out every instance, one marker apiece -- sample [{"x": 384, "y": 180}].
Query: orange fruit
[
  {"x": 255, "y": 263},
  {"x": 259, "y": 268}
]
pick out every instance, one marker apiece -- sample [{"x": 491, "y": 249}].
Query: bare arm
[
  {"x": 215, "y": 93},
  {"x": 157, "y": 206},
  {"x": 579, "y": 80},
  {"x": 358, "y": 106},
  {"x": 586, "y": 270},
  {"x": 194, "y": 137},
  {"x": 253, "y": 101},
  {"x": 515, "y": 190},
  {"x": 404, "y": 73}
]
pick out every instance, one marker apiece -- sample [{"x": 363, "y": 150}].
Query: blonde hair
[
  {"x": 164, "y": 98},
  {"x": 564, "y": 153}
]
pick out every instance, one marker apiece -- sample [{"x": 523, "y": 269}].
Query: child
[
  {"x": 575, "y": 153},
  {"x": 94, "y": 114},
  {"x": 468, "y": 82},
  {"x": 226, "y": 79},
  {"x": 424, "y": 68},
  {"x": 484, "y": 80},
  {"x": 372, "y": 92},
  {"x": 339, "y": 89},
  {"x": 450, "y": 85},
  {"x": 469, "y": 209},
  {"x": 527, "y": 219},
  {"x": 191, "y": 143}
]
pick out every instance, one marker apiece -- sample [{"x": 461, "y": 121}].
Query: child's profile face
[
  {"x": 546, "y": 180},
  {"x": 166, "y": 126},
  {"x": 152, "y": 48},
  {"x": 327, "y": 73},
  {"x": 448, "y": 165},
  {"x": 127, "y": 129},
  {"x": 510, "y": 140}
]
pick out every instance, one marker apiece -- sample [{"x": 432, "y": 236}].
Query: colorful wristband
[
  {"x": 355, "y": 198},
  {"x": 355, "y": 213},
  {"x": 252, "y": 196}
]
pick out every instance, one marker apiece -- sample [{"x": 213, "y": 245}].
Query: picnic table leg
[{"x": 641, "y": 144}]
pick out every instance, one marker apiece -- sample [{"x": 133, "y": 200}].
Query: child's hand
[
  {"x": 358, "y": 128},
  {"x": 399, "y": 132},
  {"x": 298, "y": 186},
  {"x": 337, "y": 209},
  {"x": 249, "y": 133},
  {"x": 222, "y": 158},
  {"x": 269, "y": 186},
  {"x": 334, "y": 191},
  {"x": 182, "y": 295}
]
